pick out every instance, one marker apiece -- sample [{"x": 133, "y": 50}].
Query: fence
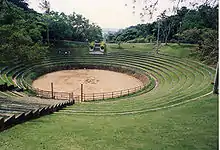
[
  {"x": 108, "y": 95},
  {"x": 56, "y": 95},
  {"x": 51, "y": 94},
  {"x": 86, "y": 96}
]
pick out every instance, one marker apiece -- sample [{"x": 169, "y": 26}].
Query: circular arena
[
  {"x": 109, "y": 75},
  {"x": 167, "y": 81},
  {"x": 168, "y": 98},
  {"x": 94, "y": 81}
]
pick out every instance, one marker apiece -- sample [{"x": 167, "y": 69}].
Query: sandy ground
[{"x": 94, "y": 81}]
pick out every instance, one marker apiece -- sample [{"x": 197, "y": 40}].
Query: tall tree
[
  {"x": 20, "y": 3},
  {"x": 149, "y": 7},
  {"x": 166, "y": 25},
  {"x": 45, "y": 6},
  {"x": 20, "y": 34}
]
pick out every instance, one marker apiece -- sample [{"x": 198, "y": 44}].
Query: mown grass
[
  {"x": 191, "y": 126},
  {"x": 130, "y": 46},
  {"x": 183, "y": 50},
  {"x": 173, "y": 49}
]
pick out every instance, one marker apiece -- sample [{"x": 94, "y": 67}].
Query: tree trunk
[
  {"x": 169, "y": 28},
  {"x": 48, "y": 38},
  {"x": 158, "y": 36}
]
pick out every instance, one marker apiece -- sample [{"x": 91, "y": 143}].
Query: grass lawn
[
  {"x": 130, "y": 46},
  {"x": 191, "y": 126},
  {"x": 182, "y": 50}
]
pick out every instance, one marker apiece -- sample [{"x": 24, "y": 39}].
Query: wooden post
[
  {"x": 128, "y": 91},
  {"x": 103, "y": 96},
  {"x": 81, "y": 92},
  {"x": 52, "y": 90},
  {"x": 112, "y": 95},
  {"x": 93, "y": 96},
  {"x": 121, "y": 92},
  {"x": 72, "y": 95},
  {"x": 215, "y": 88}
]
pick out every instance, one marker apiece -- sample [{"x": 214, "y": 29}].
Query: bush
[
  {"x": 192, "y": 36},
  {"x": 208, "y": 49},
  {"x": 149, "y": 39}
]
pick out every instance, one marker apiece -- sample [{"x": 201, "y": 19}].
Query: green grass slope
[
  {"x": 191, "y": 126},
  {"x": 180, "y": 112}
]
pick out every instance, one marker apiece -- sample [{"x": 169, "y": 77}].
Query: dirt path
[{"x": 95, "y": 81}]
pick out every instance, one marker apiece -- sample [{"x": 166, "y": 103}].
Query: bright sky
[{"x": 105, "y": 13}]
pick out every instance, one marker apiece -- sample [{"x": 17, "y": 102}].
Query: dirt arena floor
[{"x": 94, "y": 81}]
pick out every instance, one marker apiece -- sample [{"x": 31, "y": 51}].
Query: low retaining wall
[{"x": 13, "y": 120}]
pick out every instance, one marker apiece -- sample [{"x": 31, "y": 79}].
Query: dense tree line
[
  {"x": 72, "y": 27},
  {"x": 194, "y": 26},
  {"x": 26, "y": 35}
]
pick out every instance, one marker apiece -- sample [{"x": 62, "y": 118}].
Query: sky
[{"x": 105, "y": 13}]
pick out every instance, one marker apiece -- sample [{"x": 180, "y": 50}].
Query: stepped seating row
[
  {"x": 174, "y": 80},
  {"x": 182, "y": 80},
  {"x": 14, "y": 114}
]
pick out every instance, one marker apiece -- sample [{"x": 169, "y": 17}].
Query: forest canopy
[
  {"x": 194, "y": 26},
  {"x": 26, "y": 35}
]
